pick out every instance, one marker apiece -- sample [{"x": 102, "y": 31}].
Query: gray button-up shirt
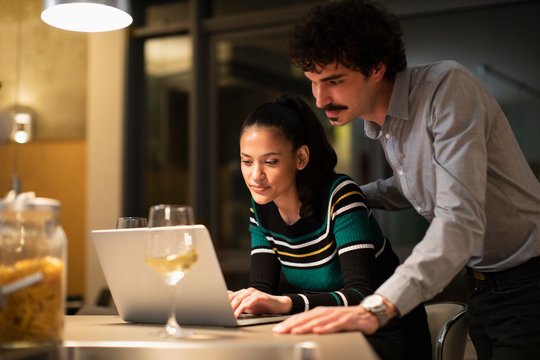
[{"x": 456, "y": 161}]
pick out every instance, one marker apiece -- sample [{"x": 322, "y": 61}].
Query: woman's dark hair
[
  {"x": 354, "y": 33},
  {"x": 300, "y": 126}
]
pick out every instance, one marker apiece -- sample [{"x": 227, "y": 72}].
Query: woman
[{"x": 313, "y": 225}]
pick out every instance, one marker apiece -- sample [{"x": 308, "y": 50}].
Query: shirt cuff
[{"x": 400, "y": 291}]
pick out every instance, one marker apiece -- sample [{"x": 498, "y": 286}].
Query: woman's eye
[
  {"x": 246, "y": 162},
  {"x": 271, "y": 162}
]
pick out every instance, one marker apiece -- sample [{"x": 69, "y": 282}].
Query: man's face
[{"x": 344, "y": 94}]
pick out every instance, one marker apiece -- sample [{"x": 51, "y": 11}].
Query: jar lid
[{"x": 28, "y": 201}]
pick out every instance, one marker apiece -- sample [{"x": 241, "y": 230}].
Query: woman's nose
[{"x": 258, "y": 171}]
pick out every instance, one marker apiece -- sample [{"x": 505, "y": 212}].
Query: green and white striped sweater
[{"x": 334, "y": 259}]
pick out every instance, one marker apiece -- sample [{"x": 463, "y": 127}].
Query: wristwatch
[{"x": 375, "y": 305}]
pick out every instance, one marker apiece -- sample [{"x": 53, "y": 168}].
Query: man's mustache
[{"x": 332, "y": 107}]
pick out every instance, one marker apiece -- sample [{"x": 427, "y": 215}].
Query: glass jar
[{"x": 32, "y": 271}]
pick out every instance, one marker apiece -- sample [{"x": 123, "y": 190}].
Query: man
[{"x": 454, "y": 159}]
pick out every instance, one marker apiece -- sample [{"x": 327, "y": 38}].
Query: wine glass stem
[{"x": 172, "y": 325}]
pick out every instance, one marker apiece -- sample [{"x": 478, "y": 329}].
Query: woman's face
[{"x": 269, "y": 164}]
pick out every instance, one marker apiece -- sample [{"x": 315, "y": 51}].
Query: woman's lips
[{"x": 259, "y": 189}]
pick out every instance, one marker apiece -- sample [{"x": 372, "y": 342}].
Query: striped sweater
[{"x": 334, "y": 259}]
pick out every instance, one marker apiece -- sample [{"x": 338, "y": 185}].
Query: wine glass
[
  {"x": 170, "y": 215},
  {"x": 171, "y": 254},
  {"x": 128, "y": 222}
]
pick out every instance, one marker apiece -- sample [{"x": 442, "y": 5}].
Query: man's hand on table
[{"x": 324, "y": 320}]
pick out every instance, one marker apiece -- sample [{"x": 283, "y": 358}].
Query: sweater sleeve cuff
[{"x": 300, "y": 303}]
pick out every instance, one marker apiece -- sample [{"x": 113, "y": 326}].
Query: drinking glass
[
  {"x": 171, "y": 255},
  {"x": 127, "y": 222},
  {"x": 170, "y": 215}
]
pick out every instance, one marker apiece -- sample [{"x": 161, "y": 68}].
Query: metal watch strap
[{"x": 379, "y": 311}]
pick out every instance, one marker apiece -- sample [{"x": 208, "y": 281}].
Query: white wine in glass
[
  {"x": 174, "y": 266},
  {"x": 171, "y": 254}
]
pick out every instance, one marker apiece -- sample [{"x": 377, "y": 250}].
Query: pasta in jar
[{"x": 33, "y": 314}]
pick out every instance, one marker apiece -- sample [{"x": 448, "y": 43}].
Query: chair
[{"x": 448, "y": 327}]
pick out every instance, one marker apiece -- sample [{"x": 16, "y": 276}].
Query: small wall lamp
[
  {"x": 87, "y": 15},
  {"x": 23, "y": 126}
]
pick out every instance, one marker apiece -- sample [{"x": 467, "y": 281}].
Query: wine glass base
[{"x": 172, "y": 334}]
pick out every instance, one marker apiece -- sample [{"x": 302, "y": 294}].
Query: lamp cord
[
  {"x": 15, "y": 180},
  {"x": 18, "y": 55}
]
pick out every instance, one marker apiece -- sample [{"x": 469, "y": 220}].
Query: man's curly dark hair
[{"x": 355, "y": 33}]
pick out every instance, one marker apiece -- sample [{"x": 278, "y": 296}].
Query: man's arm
[
  {"x": 459, "y": 128},
  {"x": 324, "y": 320},
  {"x": 383, "y": 194}
]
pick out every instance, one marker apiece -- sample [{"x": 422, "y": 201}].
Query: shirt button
[
  {"x": 400, "y": 172},
  {"x": 418, "y": 208},
  {"x": 387, "y": 136}
]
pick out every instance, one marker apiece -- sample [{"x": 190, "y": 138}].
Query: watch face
[{"x": 373, "y": 301}]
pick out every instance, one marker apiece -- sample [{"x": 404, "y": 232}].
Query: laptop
[{"x": 140, "y": 294}]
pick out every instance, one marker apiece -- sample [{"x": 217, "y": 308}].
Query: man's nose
[{"x": 321, "y": 96}]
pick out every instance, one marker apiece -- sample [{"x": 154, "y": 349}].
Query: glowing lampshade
[{"x": 87, "y": 15}]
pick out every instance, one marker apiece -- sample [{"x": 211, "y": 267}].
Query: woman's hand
[{"x": 253, "y": 301}]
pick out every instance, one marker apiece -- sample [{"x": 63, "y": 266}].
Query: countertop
[{"x": 108, "y": 337}]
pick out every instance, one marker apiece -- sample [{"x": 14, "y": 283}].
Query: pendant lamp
[{"x": 87, "y": 15}]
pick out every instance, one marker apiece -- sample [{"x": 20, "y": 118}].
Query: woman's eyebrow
[{"x": 267, "y": 154}]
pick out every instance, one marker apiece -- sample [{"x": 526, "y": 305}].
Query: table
[{"x": 108, "y": 337}]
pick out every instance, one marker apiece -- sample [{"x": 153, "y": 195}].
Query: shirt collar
[
  {"x": 398, "y": 106},
  {"x": 399, "y": 101}
]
